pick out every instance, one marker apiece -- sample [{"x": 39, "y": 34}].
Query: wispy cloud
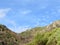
[
  {"x": 21, "y": 28},
  {"x": 14, "y": 26},
  {"x": 25, "y": 12},
  {"x": 3, "y": 12},
  {"x": 29, "y": 13},
  {"x": 18, "y": 29}
]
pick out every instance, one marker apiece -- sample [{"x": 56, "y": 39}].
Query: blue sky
[{"x": 19, "y": 15}]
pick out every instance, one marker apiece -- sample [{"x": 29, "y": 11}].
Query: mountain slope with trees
[{"x": 47, "y": 35}]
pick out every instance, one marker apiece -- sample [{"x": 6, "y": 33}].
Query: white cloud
[
  {"x": 3, "y": 12},
  {"x": 25, "y": 12},
  {"x": 16, "y": 28},
  {"x": 21, "y": 28},
  {"x": 11, "y": 22}
]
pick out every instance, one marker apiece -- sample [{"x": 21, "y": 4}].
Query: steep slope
[
  {"x": 28, "y": 35},
  {"x": 48, "y": 36},
  {"x": 7, "y": 37}
]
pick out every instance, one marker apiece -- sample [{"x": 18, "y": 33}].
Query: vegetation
[
  {"x": 48, "y": 38},
  {"x": 48, "y": 35},
  {"x": 7, "y": 37}
]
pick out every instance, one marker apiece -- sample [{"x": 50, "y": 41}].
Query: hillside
[
  {"x": 47, "y": 35},
  {"x": 7, "y": 37},
  {"x": 34, "y": 35},
  {"x": 28, "y": 35}
]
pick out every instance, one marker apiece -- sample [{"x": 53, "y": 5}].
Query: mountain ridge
[{"x": 29, "y": 37}]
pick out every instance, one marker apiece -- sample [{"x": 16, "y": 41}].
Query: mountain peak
[{"x": 55, "y": 24}]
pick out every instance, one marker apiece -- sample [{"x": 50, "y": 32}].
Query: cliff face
[{"x": 47, "y": 35}]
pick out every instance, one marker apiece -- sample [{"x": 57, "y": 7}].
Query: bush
[{"x": 38, "y": 40}]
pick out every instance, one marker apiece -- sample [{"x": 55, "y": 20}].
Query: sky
[{"x": 20, "y": 15}]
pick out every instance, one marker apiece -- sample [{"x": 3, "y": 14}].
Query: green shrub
[
  {"x": 38, "y": 40},
  {"x": 48, "y": 38}
]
